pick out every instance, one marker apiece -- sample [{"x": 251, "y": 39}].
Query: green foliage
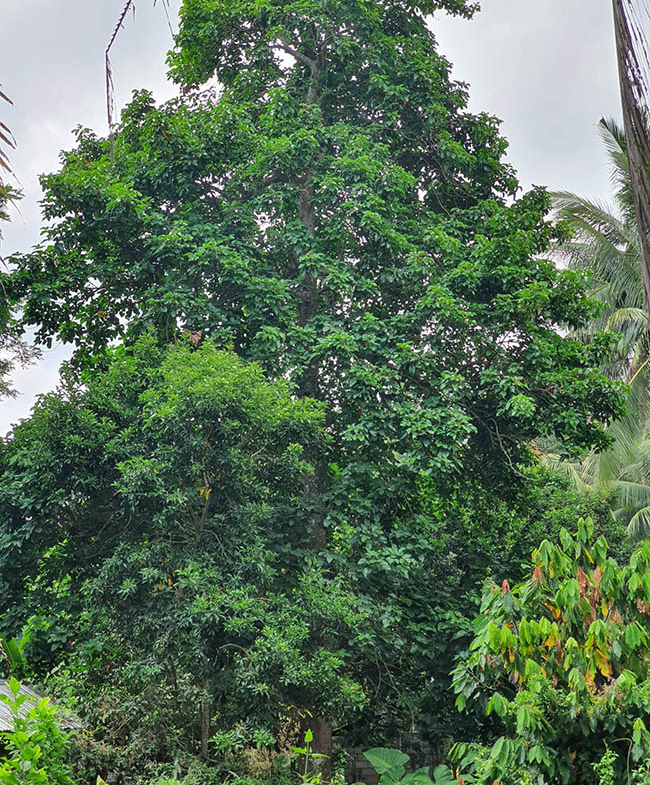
[
  {"x": 604, "y": 768},
  {"x": 560, "y": 661},
  {"x": 36, "y": 752},
  {"x": 604, "y": 245},
  {"x": 338, "y": 217},
  {"x": 309, "y": 774},
  {"x": 222, "y": 39},
  {"x": 195, "y": 594},
  {"x": 13, "y": 650},
  {"x": 619, "y": 472},
  {"x": 390, "y": 765},
  {"x": 347, "y": 227},
  {"x": 13, "y": 351}
]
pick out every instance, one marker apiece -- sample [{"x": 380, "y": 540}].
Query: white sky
[{"x": 546, "y": 67}]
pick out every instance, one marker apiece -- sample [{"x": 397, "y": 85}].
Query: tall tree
[
  {"x": 634, "y": 71},
  {"x": 337, "y": 215},
  {"x": 168, "y": 492}
]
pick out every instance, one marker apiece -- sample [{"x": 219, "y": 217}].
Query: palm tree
[
  {"x": 621, "y": 474},
  {"x": 6, "y": 140},
  {"x": 605, "y": 246},
  {"x": 13, "y": 350}
]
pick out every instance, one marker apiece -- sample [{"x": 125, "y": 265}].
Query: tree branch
[{"x": 290, "y": 50}]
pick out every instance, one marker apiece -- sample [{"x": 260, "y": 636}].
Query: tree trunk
[
  {"x": 316, "y": 484},
  {"x": 633, "y": 94},
  {"x": 323, "y": 744},
  {"x": 205, "y": 728}
]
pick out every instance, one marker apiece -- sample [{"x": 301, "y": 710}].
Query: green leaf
[
  {"x": 384, "y": 760},
  {"x": 416, "y": 778},
  {"x": 639, "y": 730},
  {"x": 442, "y": 775},
  {"x": 14, "y": 686}
]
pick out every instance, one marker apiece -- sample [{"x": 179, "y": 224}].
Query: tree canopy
[
  {"x": 160, "y": 510},
  {"x": 333, "y": 214}
]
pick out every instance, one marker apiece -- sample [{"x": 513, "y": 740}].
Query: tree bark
[
  {"x": 205, "y": 729},
  {"x": 315, "y": 485},
  {"x": 632, "y": 88},
  {"x": 323, "y": 744}
]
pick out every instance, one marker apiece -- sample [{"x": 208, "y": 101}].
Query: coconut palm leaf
[
  {"x": 129, "y": 5},
  {"x": 623, "y": 316},
  {"x": 613, "y": 138},
  {"x": 611, "y": 247},
  {"x": 622, "y": 472},
  {"x": 605, "y": 246},
  {"x": 639, "y": 526},
  {"x": 572, "y": 470}
]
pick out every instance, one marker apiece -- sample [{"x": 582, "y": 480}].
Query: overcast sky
[{"x": 546, "y": 67}]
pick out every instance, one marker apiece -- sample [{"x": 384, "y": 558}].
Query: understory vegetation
[{"x": 344, "y": 461}]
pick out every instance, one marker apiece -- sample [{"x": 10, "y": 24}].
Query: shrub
[
  {"x": 562, "y": 661},
  {"x": 36, "y": 747}
]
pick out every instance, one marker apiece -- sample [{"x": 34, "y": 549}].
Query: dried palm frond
[
  {"x": 6, "y": 139},
  {"x": 110, "y": 88}
]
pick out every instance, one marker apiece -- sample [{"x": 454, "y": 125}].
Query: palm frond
[
  {"x": 606, "y": 248},
  {"x": 588, "y": 216},
  {"x": 612, "y": 134},
  {"x": 638, "y": 527},
  {"x": 6, "y": 140},
  {"x": 569, "y": 469},
  {"x": 129, "y": 5}
]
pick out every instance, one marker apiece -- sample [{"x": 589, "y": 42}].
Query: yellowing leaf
[{"x": 603, "y": 663}]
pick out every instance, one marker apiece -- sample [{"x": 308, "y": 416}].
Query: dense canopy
[{"x": 316, "y": 331}]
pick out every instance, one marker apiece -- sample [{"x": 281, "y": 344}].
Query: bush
[
  {"x": 36, "y": 747},
  {"x": 561, "y": 661}
]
